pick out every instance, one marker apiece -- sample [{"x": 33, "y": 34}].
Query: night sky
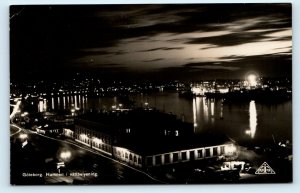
[{"x": 156, "y": 42}]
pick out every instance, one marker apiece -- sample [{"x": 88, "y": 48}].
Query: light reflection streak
[
  {"x": 252, "y": 118},
  {"x": 52, "y": 103},
  {"x": 205, "y": 108},
  {"x": 221, "y": 110},
  {"x": 86, "y": 105},
  {"x": 68, "y": 99},
  {"x": 79, "y": 101},
  {"x": 64, "y": 102},
  {"x": 45, "y": 105},
  {"x": 212, "y": 108},
  {"x": 83, "y": 101},
  {"x": 212, "y": 111},
  {"x": 194, "y": 113},
  {"x": 76, "y": 102},
  {"x": 40, "y": 106},
  {"x": 58, "y": 102}
]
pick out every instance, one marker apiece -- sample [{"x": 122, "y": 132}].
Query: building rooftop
[
  {"x": 135, "y": 122},
  {"x": 148, "y": 132}
]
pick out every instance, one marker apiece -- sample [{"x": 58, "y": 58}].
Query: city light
[
  {"x": 65, "y": 155},
  {"x": 97, "y": 140},
  {"x": 83, "y": 136},
  {"x": 24, "y": 114},
  {"x": 17, "y": 99},
  {"x": 252, "y": 80},
  {"x": 23, "y": 136},
  {"x": 223, "y": 90},
  {"x": 15, "y": 109},
  {"x": 197, "y": 91},
  {"x": 230, "y": 149},
  {"x": 248, "y": 132}
]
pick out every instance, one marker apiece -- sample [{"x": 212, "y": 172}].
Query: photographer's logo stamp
[{"x": 265, "y": 169}]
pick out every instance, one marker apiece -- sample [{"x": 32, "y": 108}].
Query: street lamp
[
  {"x": 23, "y": 136},
  {"x": 230, "y": 149},
  {"x": 23, "y": 139},
  {"x": 24, "y": 114},
  {"x": 65, "y": 155},
  {"x": 73, "y": 111}
]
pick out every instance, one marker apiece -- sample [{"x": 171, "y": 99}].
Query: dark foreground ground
[{"x": 37, "y": 165}]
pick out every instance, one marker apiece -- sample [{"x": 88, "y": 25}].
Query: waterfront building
[
  {"x": 68, "y": 132},
  {"x": 148, "y": 138}
]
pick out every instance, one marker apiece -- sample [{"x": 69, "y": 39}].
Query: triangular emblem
[{"x": 265, "y": 169}]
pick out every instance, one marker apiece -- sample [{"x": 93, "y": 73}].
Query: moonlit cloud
[{"x": 161, "y": 38}]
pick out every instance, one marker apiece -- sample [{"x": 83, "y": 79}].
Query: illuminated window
[
  {"x": 207, "y": 153},
  {"x": 175, "y": 157},
  {"x": 200, "y": 153},
  {"x": 167, "y": 158},
  {"x": 183, "y": 155},
  {"x": 192, "y": 155},
  {"x": 222, "y": 149},
  {"x": 158, "y": 160},
  {"x": 215, "y": 151}
]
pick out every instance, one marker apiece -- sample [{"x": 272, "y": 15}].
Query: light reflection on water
[
  {"x": 252, "y": 118},
  {"x": 240, "y": 121},
  {"x": 64, "y": 102},
  {"x": 52, "y": 103}
]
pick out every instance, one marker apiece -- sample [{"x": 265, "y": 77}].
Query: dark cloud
[
  {"x": 163, "y": 48},
  {"x": 272, "y": 65},
  {"x": 154, "y": 60},
  {"x": 235, "y": 38},
  {"x": 211, "y": 66}
]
